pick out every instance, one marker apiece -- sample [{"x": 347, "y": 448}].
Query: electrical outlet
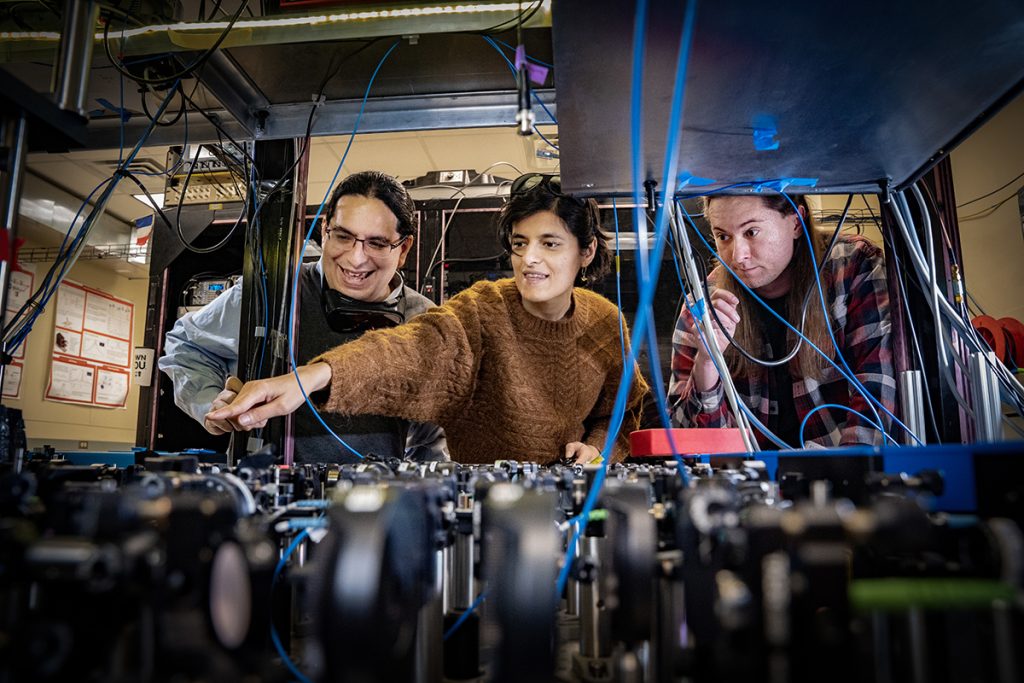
[{"x": 451, "y": 176}]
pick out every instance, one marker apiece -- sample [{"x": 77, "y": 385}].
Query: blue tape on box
[
  {"x": 765, "y": 132},
  {"x": 780, "y": 184},
  {"x": 687, "y": 179}
]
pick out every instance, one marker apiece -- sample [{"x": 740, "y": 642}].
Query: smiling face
[
  {"x": 546, "y": 258},
  {"x": 755, "y": 241},
  {"x": 350, "y": 266}
]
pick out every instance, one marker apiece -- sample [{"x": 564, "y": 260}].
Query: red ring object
[
  {"x": 1015, "y": 331},
  {"x": 990, "y": 329}
]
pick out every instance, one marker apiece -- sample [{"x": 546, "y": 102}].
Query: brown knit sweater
[{"x": 501, "y": 382}]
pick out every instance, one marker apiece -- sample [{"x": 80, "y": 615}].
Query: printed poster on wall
[
  {"x": 12, "y": 380},
  {"x": 92, "y": 348},
  {"x": 18, "y": 292}
]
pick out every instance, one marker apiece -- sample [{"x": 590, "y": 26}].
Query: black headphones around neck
[{"x": 346, "y": 315}]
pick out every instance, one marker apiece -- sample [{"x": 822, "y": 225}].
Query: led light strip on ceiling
[{"x": 267, "y": 30}]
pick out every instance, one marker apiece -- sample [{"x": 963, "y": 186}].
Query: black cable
[
  {"x": 235, "y": 170},
  {"x": 215, "y": 122},
  {"x": 123, "y": 13},
  {"x": 803, "y": 308},
  {"x": 216, "y": 8},
  {"x": 331, "y": 73},
  {"x": 521, "y": 17},
  {"x": 989, "y": 194},
  {"x": 131, "y": 176},
  {"x": 177, "y": 215},
  {"x": 475, "y": 259},
  {"x": 985, "y": 213},
  {"x": 187, "y": 71},
  {"x": 145, "y": 107}
]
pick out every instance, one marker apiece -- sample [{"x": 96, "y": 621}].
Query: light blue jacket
[{"x": 201, "y": 352}]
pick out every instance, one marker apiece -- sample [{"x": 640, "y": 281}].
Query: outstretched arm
[
  {"x": 421, "y": 371},
  {"x": 260, "y": 400},
  {"x": 201, "y": 353}
]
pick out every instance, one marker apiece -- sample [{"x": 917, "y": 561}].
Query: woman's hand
[
  {"x": 726, "y": 304},
  {"x": 263, "y": 399},
  {"x": 581, "y": 453}
]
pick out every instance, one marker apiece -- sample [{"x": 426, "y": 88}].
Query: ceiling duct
[
  {"x": 48, "y": 206},
  {"x": 138, "y": 166}
]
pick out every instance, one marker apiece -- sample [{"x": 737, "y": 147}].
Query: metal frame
[{"x": 381, "y": 115}]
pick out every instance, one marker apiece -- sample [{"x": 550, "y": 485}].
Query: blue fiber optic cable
[
  {"x": 536, "y": 97},
  {"x": 532, "y": 59},
  {"x": 44, "y": 286},
  {"x": 831, "y": 334},
  {"x": 465, "y": 615},
  {"x": 547, "y": 111},
  {"x": 824, "y": 307},
  {"x": 866, "y": 394},
  {"x": 618, "y": 284},
  {"x": 770, "y": 435},
  {"x": 101, "y": 203},
  {"x": 652, "y": 343},
  {"x": 299, "y": 538},
  {"x": 803, "y": 423},
  {"x": 305, "y": 243},
  {"x": 647, "y": 291}
]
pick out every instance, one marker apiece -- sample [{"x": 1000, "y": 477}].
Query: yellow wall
[
  {"x": 60, "y": 424},
  {"x": 993, "y": 247},
  {"x": 833, "y": 204}
]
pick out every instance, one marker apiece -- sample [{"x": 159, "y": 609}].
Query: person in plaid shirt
[{"x": 761, "y": 239}]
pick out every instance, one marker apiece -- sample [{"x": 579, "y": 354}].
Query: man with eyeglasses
[{"x": 367, "y": 233}]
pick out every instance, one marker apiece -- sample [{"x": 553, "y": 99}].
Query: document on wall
[
  {"x": 91, "y": 355},
  {"x": 12, "y": 381},
  {"x": 111, "y": 387},
  {"x": 18, "y": 353},
  {"x": 71, "y": 381},
  {"x": 18, "y": 291}
]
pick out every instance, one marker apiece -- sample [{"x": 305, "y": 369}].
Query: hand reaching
[
  {"x": 584, "y": 454},
  {"x": 263, "y": 399},
  {"x": 217, "y": 427},
  {"x": 726, "y": 305}
]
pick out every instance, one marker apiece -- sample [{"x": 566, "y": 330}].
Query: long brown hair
[{"x": 749, "y": 335}]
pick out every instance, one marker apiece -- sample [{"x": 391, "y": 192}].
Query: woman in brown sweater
[{"x": 524, "y": 368}]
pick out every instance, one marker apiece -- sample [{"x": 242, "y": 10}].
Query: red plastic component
[{"x": 654, "y": 442}]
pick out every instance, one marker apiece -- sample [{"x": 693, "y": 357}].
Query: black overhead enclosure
[{"x": 853, "y": 97}]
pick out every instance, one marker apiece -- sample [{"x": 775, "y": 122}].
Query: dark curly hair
[
  {"x": 580, "y": 217},
  {"x": 377, "y": 185}
]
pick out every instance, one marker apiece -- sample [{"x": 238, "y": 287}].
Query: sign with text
[{"x": 143, "y": 368}]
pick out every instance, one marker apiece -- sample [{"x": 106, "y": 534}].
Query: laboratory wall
[{"x": 76, "y": 427}]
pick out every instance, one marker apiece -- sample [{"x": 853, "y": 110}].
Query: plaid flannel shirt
[{"x": 854, "y": 282}]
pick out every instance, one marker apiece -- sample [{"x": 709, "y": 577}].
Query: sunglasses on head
[{"x": 552, "y": 182}]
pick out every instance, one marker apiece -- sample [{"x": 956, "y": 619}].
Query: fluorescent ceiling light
[{"x": 158, "y": 196}]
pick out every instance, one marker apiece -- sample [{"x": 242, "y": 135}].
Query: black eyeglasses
[
  {"x": 552, "y": 182},
  {"x": 374, "y": 245}
]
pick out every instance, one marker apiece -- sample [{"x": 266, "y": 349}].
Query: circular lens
[{"x": 230, "y": 595}]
